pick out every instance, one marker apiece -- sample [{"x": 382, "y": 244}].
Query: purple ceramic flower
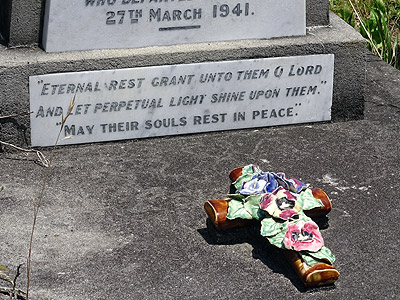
[
  {"x": 254, "y": 186},
  {"x": 260, "y": 183},
  {"x": 303, "y": 236},
  {"x": 280, "y": 204},
  {"x": 294, "y": 185},
  {"x": 271, "y": 185}
]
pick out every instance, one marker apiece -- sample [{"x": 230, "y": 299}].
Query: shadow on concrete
[
  {"x": 13, "y": 127},
  {"x": 262, "y": 250}
]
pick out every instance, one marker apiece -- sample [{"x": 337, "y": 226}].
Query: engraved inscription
[
  {"x": 136, "y": 23},
  {"x": 181, "y": 99}
]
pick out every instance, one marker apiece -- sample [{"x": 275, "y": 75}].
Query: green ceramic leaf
[
  {"x": 270, "y": 227},
  {"x": 249, "y": 170},
  {"x": 247, "y": 174},
  {"x": 252, "y": 205},
  {"x": 323, "y": 254},
  {"x": 303, "y": 217},
  {"x": 276, "y": 240},
  {"x": 262, "y": 214},
  {"x": 243, "y": 178},
  {"x": 236, "y": 210},
  {"x": 309, "y": 260},
  {"x": 300, "y": 200},
  {"x": 238, "y": 197},
  {"x": 308, "y": 200}
]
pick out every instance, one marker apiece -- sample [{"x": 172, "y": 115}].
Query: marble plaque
[
  {"x": 101, "y": 24},
  {"x": 181, "y": 99}
]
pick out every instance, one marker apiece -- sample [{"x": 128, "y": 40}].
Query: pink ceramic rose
[
  {"x": 280, "y": 204},
  {"x": 303, "y": 236}
]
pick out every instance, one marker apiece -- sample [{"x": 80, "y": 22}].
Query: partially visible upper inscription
[{"x": 102, "y": 24}]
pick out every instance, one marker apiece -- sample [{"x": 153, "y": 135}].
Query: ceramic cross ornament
[{"x": 285, "y": 208}]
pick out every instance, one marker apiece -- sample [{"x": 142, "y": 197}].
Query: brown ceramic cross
[{"x": 316, "y": 275}]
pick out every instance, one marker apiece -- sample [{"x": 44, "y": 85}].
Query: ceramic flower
[
  {"x": 246, "y": 175},
  {"x": 294, "y": 185},
  {"x": 280, "y": 204},
  {"x": 302, "y": 236},
  {"x": 260, "y": 183},
  {"x": 271, "y": 185},
  {"x": 254, "y": 186}
]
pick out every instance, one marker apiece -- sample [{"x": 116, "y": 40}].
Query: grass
[
  {"x": 37, "y": 202},
  {"x": 11, "y": 290},
  {"x": 378, "y": 21}
]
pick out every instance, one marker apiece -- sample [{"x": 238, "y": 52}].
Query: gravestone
[
  {"x": 93, "y": 24},
  {"x": 323, "y": 69},
  {"x": 21, "y": 21}
]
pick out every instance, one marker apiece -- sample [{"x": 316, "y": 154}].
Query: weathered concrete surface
[
  {"x": 24, "y": 22},
  {"x": 124, "y": 220},
  {"x": 343, "y": 41},
  {"x": 21, "y": 21},
  {"x": 317, "y": 12}
]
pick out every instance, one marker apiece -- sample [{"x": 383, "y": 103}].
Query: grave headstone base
[{"x": 340, "y": 39}]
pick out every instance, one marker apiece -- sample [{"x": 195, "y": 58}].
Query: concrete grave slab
[{"x": 125, "y": 220}]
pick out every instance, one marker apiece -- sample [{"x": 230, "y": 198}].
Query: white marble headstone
[
  {"x": 101, "y": 24},
  {"x": 181, "y": 99}
]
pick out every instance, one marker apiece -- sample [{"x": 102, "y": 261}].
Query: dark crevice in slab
[{"x": 5, "y": 18}]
